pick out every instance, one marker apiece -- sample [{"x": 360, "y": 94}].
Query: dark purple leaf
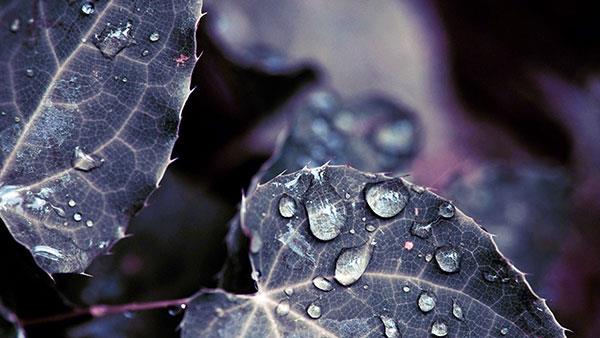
[
  {"x": 90, "y": 106},
  {"x": 375, "y": 276}
]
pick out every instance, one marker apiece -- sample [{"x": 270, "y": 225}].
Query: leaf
[
  {"x": 90, "y": 109},
  {"x": 405, "y": 262}
]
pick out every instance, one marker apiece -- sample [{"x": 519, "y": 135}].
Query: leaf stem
[{"x": 101, "y": 310}]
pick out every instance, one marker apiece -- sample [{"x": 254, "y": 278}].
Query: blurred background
[{"x": 495, "y": 105}]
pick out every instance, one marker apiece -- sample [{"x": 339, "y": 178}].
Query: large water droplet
[
  {"x": 391, "y": 330},
  {"x": 85, "y": 162},
  {"x": 14, "y": 26},
  {"x": 155, "y": 36},
  {"x": 386, "y": 199},
  {"x": 352, "y": 263},
  {"x": 326, "y": 213},
  {"x": 283, "y": 308},
  {"x": 322, "y": 283},
  {"x": 314, "y": 311},
  {"x": 426, "y": 301},
  {"x": 287, "y": 206},
  {"x": 448, "y": 259},
  {"x": 87, "y": 7},
  {"x": 439, "y": 328},
  {"x": 457, "y": 311},
  {"x": 446, "y": 210},
  {"x": 113, "y": 39}
]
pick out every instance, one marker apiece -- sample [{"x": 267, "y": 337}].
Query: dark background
[{"x": 503, "y": 96}]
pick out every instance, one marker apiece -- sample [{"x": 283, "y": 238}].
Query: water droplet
[
  {"x": 386, "y": 199},
  {"x": 59, "y": 211},
  {"x": 14, "y": 26},
  {"x": 256, "y": 243},
  {"x": 314, "y": 311},
  {"x": 391, "y": 330},
  {"x": 255, "y": 275},
  {"x": 347, "y": 196},
  {"x": 322, "y": 283},
  {"x": 124, "y": 79},
  {"x": 145, "y": 52},
  {"x": 366, "y": 286},
  {"x": 89, "y": 223},
  {"x": 287, "y": 206},
  {"x": 369, "y": 228},
  {"x": 421, "y": 230},
  {"x": 175, "y": 310},
  {"x": 72, "y": 203},
  {"x": 406, "y": 289},
  {"x": 283, "y": 308},
  {"x": 426, "y": 301},
  {"x": 113, "y": 39},
  {"x": 457, "y": 311},
  {"x": 446, "y": 210},
  {"x": 77, "y": 217},
  {"x": 352, "y": 231},
  {"x": 352, "y": 263},
  {"x": 87, "y": 8},
  {"x": 85, "y": 162},
  {"x": 29, "y": 72},
  {"x": 154, "y": 37},
  {"x": 325, "y": 217},
  {"x": 504, "y": 331},
  {"x": 439, "y": 328},
  {"x": 288, "y": 291},
  {"x": 428, "y": 257},
  {"x": 17, "y": 119},
  {"x": 47, "y": 252},
  {"x": 448, "y": 259}
]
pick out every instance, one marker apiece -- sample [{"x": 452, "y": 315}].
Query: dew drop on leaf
[
  {"x": 287, "y": 206},
  {"x": 145, "y": 52},
  {"x": 59, "y": 211},
  {"x": 325, "y": 218},
  {"x": 89, "y": 223},
  {"x": 14, "y": 26},
  {"x": 47, "y": 252},
  {"x": 428, "y": 257},
  {"x": 113, "y": 39},
  {"x": 289, "y": 292},
  {"x": 426, "y": 301},
  {"x": 439, "y": 328},
  {"x": 314, "y": 311},
  {"x": 29, "y": 72},
  {"x": 390, "y": 328},
  {"x": 448, "y": 259},
  {"x": 283, "y": 308},
  {"x": 154, "y": 37},
  {"x": 504, "y": 331},
  {"x": 85, "y": 162},
  {"x": 352, "y": 263},
  {"x": 457, "y": 311},
  {"x": 385, "y": 199},
  {"x": 369, "y": 227},
  {"x": 77, "y": 217},
  {"x": 446, "y": 210},
  {"x": 406, "y": 289},
  {"x": 87, "y": 7},
  {"x": 322, "y": 283},
  {"x": 72, "y": 203},
  {"x": 489, "y": 276}
]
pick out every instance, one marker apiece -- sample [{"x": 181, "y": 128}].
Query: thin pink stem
[{"x": 101, "y": 310}]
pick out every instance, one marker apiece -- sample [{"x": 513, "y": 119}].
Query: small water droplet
[
  {"x": 406, "y": 289},
  {"x": 29, "y": 72},
  {"x": 72, "y": 203},
  {"x": 421, "y": 230},
  {"x": 314, "y": 311},
  {"x": 17, "y": 119},
  {"x": 85, "y": 162},
  {"x": 347, "y": 196},
  {"x": 283, "y": 308},
  {"x": 287, "y": 206},
  {"x": 322, "y": 283},
  {"x": 288, "y": 291},
  {"x": 446, "y": 210},
  {"x": 255, "y": 275},
  {"x": 457, "y": 311},
  {"x": 155, "y": 36},
  {"x": 389, "y": 325},
  {"x": 124, "y": 79},
  {"x": 369, "y": 228},
  {"x": 366, "y": 286},
  {"x": 59, "y": 211},
  {"x": 352, "y": 263},
  {"x": 14, "y": 26},
  {"x": 89, "y": 223},
  {"x": 428, "y": 257},
  {"x": 448, "y": 259},
  {"x": 426, "y": 301},
  {"x": 77, "y": 217},
  {"x": 504, "y": 331},
  {"x": 145, "y": 52},
  {"x": 386, "y": 199},
  {"x": 439, "y": 328},
  {"x": 352, "y": 231},
  {"x": 87, "y": 7}
]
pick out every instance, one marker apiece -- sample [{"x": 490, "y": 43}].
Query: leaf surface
[
  {"x": 405, "y": 263},
  {"x": 90, "y": 106}
]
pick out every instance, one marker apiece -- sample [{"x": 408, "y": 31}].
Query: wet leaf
[
  {"x": 89, "y": 112},
  {"x": 385, "y": 281}
]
